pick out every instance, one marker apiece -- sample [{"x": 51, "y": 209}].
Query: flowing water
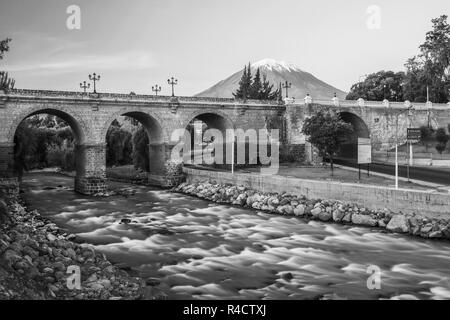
[{"x": 202, "y": 250}]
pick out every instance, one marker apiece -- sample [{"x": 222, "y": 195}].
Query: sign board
[
  {"x": 413, "y": 134},
  {"x": 364, "y": 151}
]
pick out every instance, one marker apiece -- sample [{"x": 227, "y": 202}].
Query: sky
[{"x": 136, "y": 44}]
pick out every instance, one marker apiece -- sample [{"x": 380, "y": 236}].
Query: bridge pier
[
  {"x": 9, "y": 185},
  {"x": 159, "y": 153},
  {"x": 91, "y": 168}
]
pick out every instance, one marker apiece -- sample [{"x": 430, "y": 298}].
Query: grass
[{"x": 340, "y": 175}]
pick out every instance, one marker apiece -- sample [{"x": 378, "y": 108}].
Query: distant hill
[{"x": 276, "y": 72}]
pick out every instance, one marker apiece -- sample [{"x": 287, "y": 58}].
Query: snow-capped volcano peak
[{"x": 272, "y": 64}]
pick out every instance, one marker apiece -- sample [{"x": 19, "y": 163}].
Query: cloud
[
  {"x": 39, "y": 53},
  {"x": 76, "y": 63}
]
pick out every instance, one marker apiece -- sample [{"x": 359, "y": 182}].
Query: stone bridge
[
  {"x": 90, "y": 116},
  {"x": 370, "y": 119}
]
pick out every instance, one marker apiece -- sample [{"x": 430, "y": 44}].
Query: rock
[
  {"x": 347, "y": 218},
  {"x": 11, "y": 257},
  {"x": 365, "y": 220},
  {"x": 435, "y": 234},
  {"x": 299, "y": 210},
  {"x": 398, "y": 223},
  {"x": 325, "y": 216},
  {"x": 51, "y": 237},
  {"x": 381, "y": 223},
  {"x": 338, "y": 215},
  {"x": 315, "y": 212},
  {"x": 287, "y": 276}
]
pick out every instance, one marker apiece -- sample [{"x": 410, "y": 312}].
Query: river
[{"x": 203, "y": 250}]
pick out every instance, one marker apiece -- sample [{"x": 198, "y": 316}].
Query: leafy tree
[
  {"x": 118, "y": 145},
  {"x": 440, "y": 147},
  {"x": 379, "y": 86},
  {"x": 431, "y": 67},
  {"x": 426, "y": 133},
  {"x": 442, "y": 139},
  {"x": 4, "y": 47},
  {"x": 327, "y": 131},
  {"x": 6, "y": 83},
  {"x": 141, "y": 149}
]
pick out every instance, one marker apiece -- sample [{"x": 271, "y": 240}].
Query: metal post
[
  {"x": 232, "y": 156},
  {"x": 396, "y": 153},
  {"x": 359, "y": 171},
  {"x": 407, "y": 167}
]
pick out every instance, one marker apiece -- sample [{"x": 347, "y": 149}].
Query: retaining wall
[{"x": 430, "y": 204}]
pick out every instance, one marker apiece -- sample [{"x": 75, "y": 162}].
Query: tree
[
  {"x": 431, "y": 67},
  {"x": 4, "y": 47},
  {"x": 6, "y": 83},
  {"x": 379, "y": 86},
  {"x": 426, "y": 133},
  {"x": 118, "y": 145},
  {"x": 442, "y": 139},
  {"x": 267, "y": 92},
  {"x": 140, "y": 149},
  {"x": 244, "y": 84},
  {"x": 255, "y": 89},
  {"x": 327, "y": 131}
]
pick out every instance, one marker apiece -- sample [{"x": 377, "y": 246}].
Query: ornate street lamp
[
  {"x": 93, "y": 77},
  {"x": 172, "y": 81}
]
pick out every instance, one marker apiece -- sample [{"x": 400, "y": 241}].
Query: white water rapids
[{"x": 202, "y": 250}]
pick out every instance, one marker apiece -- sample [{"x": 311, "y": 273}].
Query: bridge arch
[
  {"x": 349, "y": 148},
  {"x": 212, "y": 118},
  {"x": 209, "y": 119},
  {"x": 76, "y": 123},
  {"x": 79, "y": 130},
  {"x": 157, "y": 137}
]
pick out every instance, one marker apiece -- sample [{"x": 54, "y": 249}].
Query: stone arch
[
  {"x": 213, "y": 119},
  {"x": 156, "y": 134},
  {"x": 151, "y": 121},
  {"x": 77, "y": 124},
  {"x": 349, "y": 148}
]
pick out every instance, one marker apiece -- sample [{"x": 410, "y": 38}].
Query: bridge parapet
[
  {"x": 373, "y": 104},
  {"x": 27, "y": 94}
]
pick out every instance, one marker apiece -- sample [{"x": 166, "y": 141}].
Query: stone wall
[{"x": 372, "y": 197}]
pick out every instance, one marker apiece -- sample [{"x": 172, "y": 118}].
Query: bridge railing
[
  {"x": 130, "y": 97},
  {"x": 336, "y": 102}
]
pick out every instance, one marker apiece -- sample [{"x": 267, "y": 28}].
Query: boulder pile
[
  {"x": 317, "y": 209},
  {"x": 37, "y": 259}
]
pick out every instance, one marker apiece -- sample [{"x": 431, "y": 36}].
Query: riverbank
[
  {"x": 36, "y": 256},
  {"x": 317, "y": 209}
]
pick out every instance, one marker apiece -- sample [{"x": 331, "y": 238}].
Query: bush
[
  {"x": 61, "y": 156},
  {"x": 173, "y": 168}
]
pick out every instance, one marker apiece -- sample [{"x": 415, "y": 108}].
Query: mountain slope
[{"x": 276, "y": 72}]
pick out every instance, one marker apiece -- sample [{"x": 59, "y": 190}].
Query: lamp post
[
  {"x": 156, "y": 89},
  {"x": 286, "y": 86},
  {"x": 84, "y": 86},
  {"x": 409, "y": 110},
  {"x": 93, "y": 77},
  {"x": 172, "y": 81}
]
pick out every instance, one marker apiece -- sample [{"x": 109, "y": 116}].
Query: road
[{"x": 435, "y": 175}]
